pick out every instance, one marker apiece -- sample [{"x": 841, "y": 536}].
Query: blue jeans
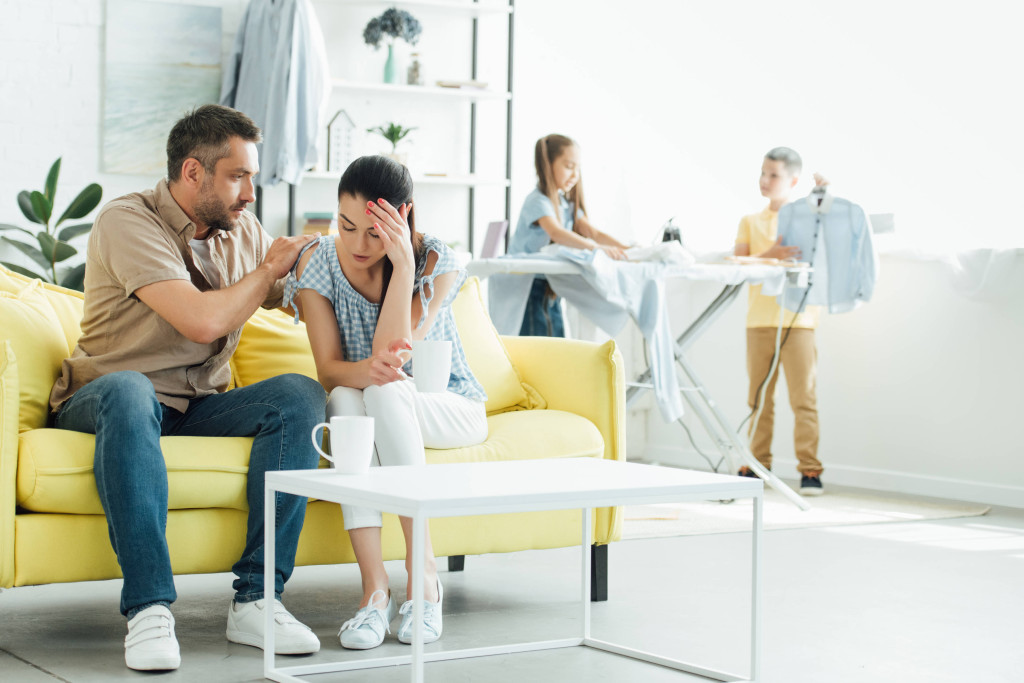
[
  {"x": 122, "y": 410},
  {"x": 543, "y": 315}
]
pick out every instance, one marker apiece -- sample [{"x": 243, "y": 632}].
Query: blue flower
[{"x": 395, "y": 23}]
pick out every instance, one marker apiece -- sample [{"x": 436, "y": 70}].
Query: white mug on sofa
[{"x": 431, "y": 365}]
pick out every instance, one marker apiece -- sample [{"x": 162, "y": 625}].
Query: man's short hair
[
  {"x": 204, "y": 134},
  {"x": 794, "y": 164}
]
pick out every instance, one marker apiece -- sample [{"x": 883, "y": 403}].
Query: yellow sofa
[{"x": 547, "y": 398}]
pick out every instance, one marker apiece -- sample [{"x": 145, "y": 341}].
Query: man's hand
[
  {"x": 283, "y": 252},
  {"x": 781, "y": 252}
]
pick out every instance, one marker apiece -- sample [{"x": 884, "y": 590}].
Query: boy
[{"x": 780, "y": 172}]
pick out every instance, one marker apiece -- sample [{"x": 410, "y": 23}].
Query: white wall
[
  {"x": 674, "y": 103},
  {"x": 51, "y": 89},
  {"x": 918, "y": 390}
]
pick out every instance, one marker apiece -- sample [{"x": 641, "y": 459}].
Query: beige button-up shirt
[{"x": 139, "y": 239}]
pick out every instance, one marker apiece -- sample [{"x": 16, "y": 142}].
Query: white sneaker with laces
[
  {"x": 150, "y": 644},
  {"x": 431, "y": 619},
  {"x": 291, "y": 636},
  {"x": 367, "y": 628}
]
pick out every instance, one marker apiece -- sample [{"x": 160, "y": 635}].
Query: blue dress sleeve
[
  {"x": 446, "y": 263},
  {"x": 536, "y": 206},
  {"x": 316, "y": 276}
]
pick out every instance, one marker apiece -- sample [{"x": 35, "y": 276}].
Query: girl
[
  {"x": 557, "y": 159},
  {"x": 364, "y": 294}
]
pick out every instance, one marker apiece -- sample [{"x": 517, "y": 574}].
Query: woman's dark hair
[{"x": 373, "y": 177}]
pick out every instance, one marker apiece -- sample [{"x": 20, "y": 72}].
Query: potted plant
[
  {"x": 397, "y": 24},
  {"x": 393, "y": 133},
  {"x": 53, "y": 246}
]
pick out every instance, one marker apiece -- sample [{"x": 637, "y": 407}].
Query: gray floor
[{"x": 910, "y": 602}]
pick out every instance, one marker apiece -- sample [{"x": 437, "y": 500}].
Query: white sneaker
[
  {"x": 367, "y": 628},
  {"x": 431, "y": 619},
  {"x": 291, "y": 636},
  {"x": 150, "y": 644}
]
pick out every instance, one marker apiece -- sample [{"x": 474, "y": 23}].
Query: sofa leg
[
  {"x": 598, "y": 573},
  {"x": 456, "y": 563}
]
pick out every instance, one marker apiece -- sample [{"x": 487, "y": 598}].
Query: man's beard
[{"x": 212, "y": 212}]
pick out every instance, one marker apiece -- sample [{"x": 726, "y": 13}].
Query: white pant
[{"x": 404, "y": 423}]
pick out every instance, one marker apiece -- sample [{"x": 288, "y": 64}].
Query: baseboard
[
  {"x": 917, "y": 484},
  {"x": 868, "y": 478}
]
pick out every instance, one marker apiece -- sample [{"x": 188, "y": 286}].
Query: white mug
[
  {"x": 351, "y": 443},
  {"x": 431, "y": 365}
]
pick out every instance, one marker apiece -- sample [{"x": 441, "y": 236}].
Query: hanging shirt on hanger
[
  {"x": 277, "y": 74},
  {"x": 836, "y": 235}
]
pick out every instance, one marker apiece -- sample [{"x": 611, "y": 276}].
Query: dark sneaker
[
  {"x": 811, "y": 485},
  {"x": 747, "y": 472}
]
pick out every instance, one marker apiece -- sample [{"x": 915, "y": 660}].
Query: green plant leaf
[
  {"x": 72, "y": 231},
  {"x": 42, "y": 206},
  {"x": 55, "y": 251},
  {"x": 25, "y": 204},
  {"x": 51, "y": 181},
  {"x": 6, "y": 226},
  {"x": 86, "y": 201},
  {"x": 21, "y": 269},
  {"x": 29, "y": 251},
  {"x": 74, "y": 278}
]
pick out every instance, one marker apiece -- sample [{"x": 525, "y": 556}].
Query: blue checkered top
[{"x": 357, "y": 317}]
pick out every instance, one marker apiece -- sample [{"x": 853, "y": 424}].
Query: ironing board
[{"x": 695, "y": 393}]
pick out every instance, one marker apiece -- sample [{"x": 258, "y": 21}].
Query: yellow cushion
[
  {"x": 8, "y": 463},
  {"x": 270, "y": 345},
  {"x": 529, "y": 435},
  {"x": 487, "y": 356},
  {"x": 67, "y": 305},
  {"x": 39, "y": 345},
  {"x": 55, "y": 466},
  {"x": 55, "y": 472}
]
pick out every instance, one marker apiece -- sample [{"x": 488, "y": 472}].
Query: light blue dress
[
  {"x": 529, "y": 237},
  {"x": 357, "y": 317}
]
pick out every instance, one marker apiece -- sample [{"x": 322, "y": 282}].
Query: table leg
[
  {"x": 585, "y": 549},
  {"x": 755, "y": 594},
  {"x": 418, "y": 544},
  {"x": 269, "y": 557}
]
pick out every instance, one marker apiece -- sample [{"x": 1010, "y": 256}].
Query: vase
[{"x": 390, "y": 68}]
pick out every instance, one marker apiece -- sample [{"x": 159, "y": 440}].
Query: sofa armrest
[
  {"x": 579, "y": 377},
  {"x": 9, "y": 406},
  {"x": 587, "y": 379}
]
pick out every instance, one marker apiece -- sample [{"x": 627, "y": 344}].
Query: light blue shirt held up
[
  {"x": 277, "y": 74},
  {"x": 845, "y": 262},
  {"x": 357, "y": 317}
]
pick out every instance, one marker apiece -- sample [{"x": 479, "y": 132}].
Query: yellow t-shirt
[{"x": 760, "y": 230}]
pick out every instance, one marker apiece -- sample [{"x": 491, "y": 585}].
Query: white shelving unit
[
  {"x": 473, "y": 94},
  {"x": 395, "y": 96}
]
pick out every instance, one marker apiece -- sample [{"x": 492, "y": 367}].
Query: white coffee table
[{"x": 422, "y": 492}]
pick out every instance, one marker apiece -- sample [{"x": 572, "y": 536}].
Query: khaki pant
[{"x": 799, "y": 359}]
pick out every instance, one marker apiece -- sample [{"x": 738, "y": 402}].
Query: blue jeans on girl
[{"x": 543, "y": 315}]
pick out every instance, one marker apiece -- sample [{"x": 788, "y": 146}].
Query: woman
[{"x": 364, "y": 294}]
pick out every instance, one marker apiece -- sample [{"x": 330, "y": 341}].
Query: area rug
[{"x": 835, "y": 508}]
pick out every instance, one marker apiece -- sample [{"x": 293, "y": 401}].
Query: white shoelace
[{"x": 369, "y": 615}]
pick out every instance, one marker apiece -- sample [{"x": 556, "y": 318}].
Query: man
[{"x": 172, "y": 275}]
